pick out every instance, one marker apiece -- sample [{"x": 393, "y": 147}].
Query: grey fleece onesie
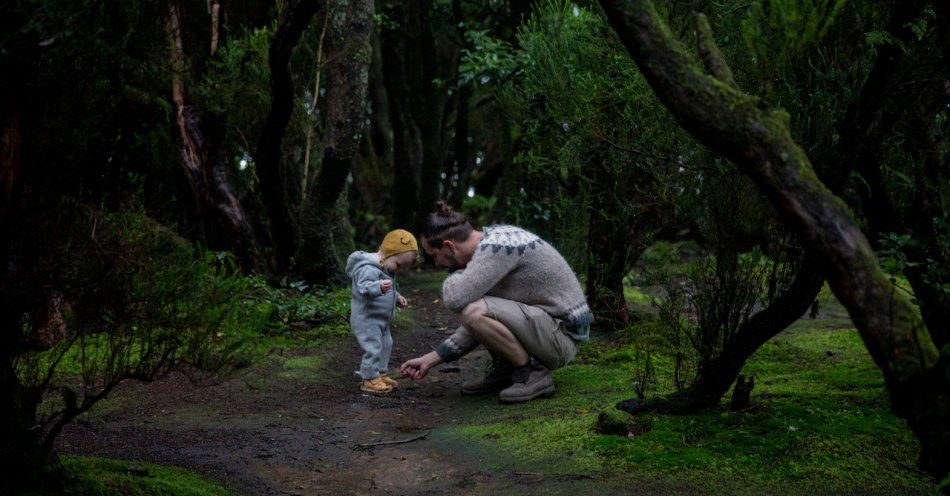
[{"x": 371, "y": 311}]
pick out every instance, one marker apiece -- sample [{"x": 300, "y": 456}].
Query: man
[{"x": 517, "y": 296}]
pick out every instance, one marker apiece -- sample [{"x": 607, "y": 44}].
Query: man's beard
[{"x": 456, "y": 265}]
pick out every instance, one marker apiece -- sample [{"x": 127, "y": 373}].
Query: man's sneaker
[
  {"x": 375, "y": 385},
  {"x": 529, "y": 382},
  {"x": 388, "y": 380},
  {"x": 497, "y": 377}
]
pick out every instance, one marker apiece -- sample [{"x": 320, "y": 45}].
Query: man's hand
[
  {"x": 401, "y": 301},
  {"x": 417, "y": 368},
  {"x": 385, "y": 285}
]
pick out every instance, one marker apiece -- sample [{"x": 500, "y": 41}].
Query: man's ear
[{"x": 450, "y": 245}]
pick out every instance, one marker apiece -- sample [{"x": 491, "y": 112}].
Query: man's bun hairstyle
[{"x": 444, "y": 223}]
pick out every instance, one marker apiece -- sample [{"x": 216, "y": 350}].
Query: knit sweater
[{"x": 512, "y": 263}]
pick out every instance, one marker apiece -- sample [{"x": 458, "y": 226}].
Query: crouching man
[{"x": 517, "y": 296}]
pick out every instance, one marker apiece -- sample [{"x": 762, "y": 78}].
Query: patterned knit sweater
[{"x": 517, "y": 265}]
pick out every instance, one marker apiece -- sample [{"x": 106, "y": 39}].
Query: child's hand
[
  {"x": 385, "y": 285},
  {"x": 401, "y": 301}
]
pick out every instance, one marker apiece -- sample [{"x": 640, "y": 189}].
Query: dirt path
[{"x": 271, "y": 431}]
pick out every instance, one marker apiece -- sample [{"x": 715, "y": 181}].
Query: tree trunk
[
  {"x": 348, "y": 45},
  {"x": 758, "y": 141},
  {"x": 428, "y": 113},
  {"x": 407, "y": 139},
  {"x": 608, "y": 239},
  {"x": 381, "y": 133},
  {"x": 204, "y": 160},
  {"x": 295, "y": 17},
  {"x": 372, "y": 169}
]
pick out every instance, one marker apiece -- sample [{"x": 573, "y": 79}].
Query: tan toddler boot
[
  {"x": 390, "y": 382},
  {"x": 375, "y": 385}
]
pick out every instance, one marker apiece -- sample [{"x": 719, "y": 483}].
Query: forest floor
[{"x": 295, "y": 423}]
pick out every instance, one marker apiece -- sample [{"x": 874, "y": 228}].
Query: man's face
[{"x": 445, "y": 255}]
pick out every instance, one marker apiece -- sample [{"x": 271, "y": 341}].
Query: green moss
[
  {"x": 637, "y": 296},
  {"x": 821, "y": 422},
  {"x": 302, "y": 367},
  {"x": 89, "y": 476}
]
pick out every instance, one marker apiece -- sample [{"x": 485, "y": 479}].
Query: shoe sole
[{"x": 544, "y": 393}]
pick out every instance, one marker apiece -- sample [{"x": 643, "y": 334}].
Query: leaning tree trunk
[
  {"x": 295, "y": 17},
  {"x": 348, "y": 45},
  {"x": 204, "y": 159},
  {"x": 758, "y": 141}
]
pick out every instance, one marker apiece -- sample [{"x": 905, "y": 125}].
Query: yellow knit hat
[{"x": 398, "y": 241}]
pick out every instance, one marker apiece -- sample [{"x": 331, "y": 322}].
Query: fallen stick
[{"x": 389, "y": 443}]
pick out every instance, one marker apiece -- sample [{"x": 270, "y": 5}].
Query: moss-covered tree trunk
[
  {"x": 735, "y": 125},
  {"x": 348, "y": 46}
]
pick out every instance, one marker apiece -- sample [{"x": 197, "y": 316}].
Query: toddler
[{"x": 373, "y": 302}]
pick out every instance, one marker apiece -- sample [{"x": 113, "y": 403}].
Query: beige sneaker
[
  {"x": 375, "y": 385},
  {"x": 390, "y": 382}
]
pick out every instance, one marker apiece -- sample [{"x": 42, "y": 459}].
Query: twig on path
[
  {"x": 389, "y": 443},
  {"x": 529, "y": 473}
]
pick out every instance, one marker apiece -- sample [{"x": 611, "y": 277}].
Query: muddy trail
[{"x": 271, "y": 430}]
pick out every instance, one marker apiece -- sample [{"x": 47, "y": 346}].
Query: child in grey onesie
[{"x": 373, "y": 301}]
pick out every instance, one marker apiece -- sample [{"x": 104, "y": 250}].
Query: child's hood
[{"x": 358, "y": 259}]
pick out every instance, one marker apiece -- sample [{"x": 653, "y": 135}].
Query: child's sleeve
[{"x": 367, "y": 282}]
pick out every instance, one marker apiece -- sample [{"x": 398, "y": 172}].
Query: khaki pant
[{"x": 541, "y": 335}]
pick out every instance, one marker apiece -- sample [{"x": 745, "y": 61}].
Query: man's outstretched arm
[
  {"x": 417, "y": 368},
  {"x": 454, "y": 347}
]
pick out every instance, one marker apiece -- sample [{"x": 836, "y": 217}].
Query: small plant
[{"x": 644, "y": 374}]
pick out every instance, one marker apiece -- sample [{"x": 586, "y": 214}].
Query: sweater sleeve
[
  {"x": 457, "y": 345},
  {"x": 483, "y": 272},
  {"x": 366, "y": 281}
]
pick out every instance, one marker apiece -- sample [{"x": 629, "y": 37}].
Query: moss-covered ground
[
  {"x": 820, "y": 423},
  {"x": 92, "y": 476}
]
